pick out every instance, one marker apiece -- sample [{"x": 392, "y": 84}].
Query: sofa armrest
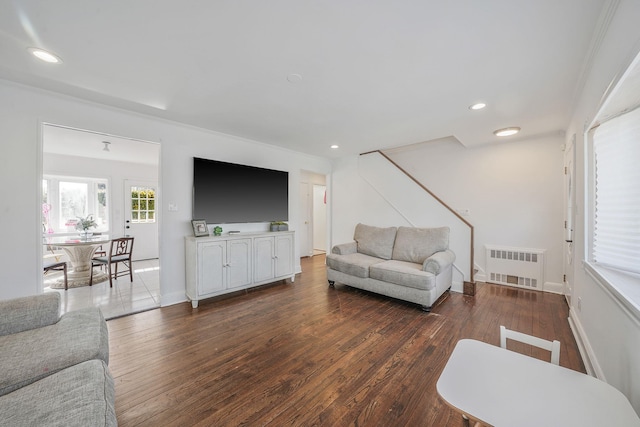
[
  {"x": 345, "y": 248},
  {"x": 23, "y": 314},
  {"x": 438, "y": 261}
]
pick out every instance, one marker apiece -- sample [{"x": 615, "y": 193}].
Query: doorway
[
  {"x": 319, "y": 219},
  {"x": 121, "y": 164},
  {"x": 313, "y": 214}
]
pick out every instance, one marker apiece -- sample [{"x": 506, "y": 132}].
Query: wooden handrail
[{"x": 464, "y": 221}]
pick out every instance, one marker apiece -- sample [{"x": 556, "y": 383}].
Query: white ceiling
[
  {"x": 82, "y": 143},
  {"x": 375, "y": 74}
]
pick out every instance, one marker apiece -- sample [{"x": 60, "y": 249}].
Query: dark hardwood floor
[{"x": 305, "y": 354}]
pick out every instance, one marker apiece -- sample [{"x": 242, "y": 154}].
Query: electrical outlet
[{"x": 579, "y": 304}]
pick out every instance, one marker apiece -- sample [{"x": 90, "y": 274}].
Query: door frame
[{"x": 569, "y": 217}]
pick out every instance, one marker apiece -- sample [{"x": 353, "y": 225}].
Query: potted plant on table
[
  {"x": 279, "y": 226},
  {"x": 84, "y": 224}
]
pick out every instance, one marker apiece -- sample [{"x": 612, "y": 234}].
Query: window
[
  {"x": 66, "y": 199},
  {"x": 143, "y": 205},
  {"x": 616, "y": 193}
]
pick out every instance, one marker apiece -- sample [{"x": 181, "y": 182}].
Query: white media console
[{"x": 218, "y": 265}]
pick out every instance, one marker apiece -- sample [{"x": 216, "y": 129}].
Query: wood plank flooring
[{"x": 305, "y": 354}]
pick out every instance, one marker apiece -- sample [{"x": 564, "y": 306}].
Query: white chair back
[{"x": 552, "y": 346}]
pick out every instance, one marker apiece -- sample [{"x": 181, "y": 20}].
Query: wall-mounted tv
[{"x": 226, "y": 193}]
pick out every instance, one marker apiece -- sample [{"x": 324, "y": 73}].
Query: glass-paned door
[{"x": 141, "y": 220}]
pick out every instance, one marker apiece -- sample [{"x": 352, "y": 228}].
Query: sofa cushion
[
  {"x": 81, "y": 395},
  {"x": 356, "y": 264},
  {"x": 375, "y": 241},
  {"x": 417, "y": 244},
  {"x": 22, "y": 314},
  {"x": 403, "y": 273},
  {"x": 28, "y": 356}
]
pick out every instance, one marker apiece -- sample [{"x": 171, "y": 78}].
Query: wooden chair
[
  {"x": 100, "y": 252},
  {"x": 57, "y": 266},
  {"x": 552, "y": 346},
  {"x": 120, "y": 251}
]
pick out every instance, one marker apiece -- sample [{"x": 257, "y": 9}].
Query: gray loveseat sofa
[
  {"x": 53, "y": 369},
  {"x": 407, "y": 263}
]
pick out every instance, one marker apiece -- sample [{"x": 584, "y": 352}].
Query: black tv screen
[{"x": 231, "y": 193}]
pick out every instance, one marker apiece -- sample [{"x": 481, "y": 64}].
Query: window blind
[{"x": 616, "y": 146}]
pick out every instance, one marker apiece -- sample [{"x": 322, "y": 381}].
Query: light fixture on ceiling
[
  {"x": 335, "y": 146},
  {"x": 478, "y": 106},
  {"x": 106, "y": 145},
  {"x": 506, "y": 131},
  {"x": 45, "y": 56},
  {"x": 294, "y": 78}
]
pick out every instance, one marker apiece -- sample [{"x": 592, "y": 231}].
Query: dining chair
[
  {"x": 120, "y": 251},
  {"x": 100, "y": 252},
  {"x": 57, "y": 266},
  {"x": 552, "y": 346}
]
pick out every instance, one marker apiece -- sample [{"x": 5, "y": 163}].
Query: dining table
[
  {"x": 498, "y": 387},
  {"x": 80, "y": 250}
]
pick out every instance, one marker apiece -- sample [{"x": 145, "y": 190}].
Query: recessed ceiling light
[
  {"x": 45, "y": 56},
  {"x": 506, "y": 131},
  {"x": 335, "y": 146},
  {"x": 294, "y": 78},
  {"x": 478, "y": 106}
]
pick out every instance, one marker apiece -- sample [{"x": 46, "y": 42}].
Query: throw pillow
[
  {"x": 375, "y": 241},
  {"x": 418, "y": 244}
]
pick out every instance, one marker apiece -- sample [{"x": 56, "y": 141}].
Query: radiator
[{"x": 519, "y": 267}]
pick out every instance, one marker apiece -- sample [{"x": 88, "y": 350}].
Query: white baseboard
[
  {"x": 172, "y": 299},
  {"x": 554, "y": 288},
  {"x": 586, "y": 352}
]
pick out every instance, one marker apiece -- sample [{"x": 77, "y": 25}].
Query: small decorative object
[
  {"x": 199, "y": 227},
  {"x": 279, "y": 226},
  {"x": 217, "y": 231},
  {"x": 84, "y": 224},
  {"x": 46, "y": 210}
]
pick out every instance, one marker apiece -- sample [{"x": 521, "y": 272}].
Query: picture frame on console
[{"x": 199, "y": 227}]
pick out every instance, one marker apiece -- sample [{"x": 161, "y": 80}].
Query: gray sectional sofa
[
  {"x": 53, "y": 369},
  {"x": 407, "y": 263}
]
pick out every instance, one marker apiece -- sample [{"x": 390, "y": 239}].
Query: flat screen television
[{"x": 226, "y": 193}]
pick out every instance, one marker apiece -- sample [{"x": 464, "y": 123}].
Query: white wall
[
  {"x": 22, "y": 112},
  {"x": 353, "y": 200},
  {"x": 608, "y": 334},
  {"x": 513, "y": 192}
]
